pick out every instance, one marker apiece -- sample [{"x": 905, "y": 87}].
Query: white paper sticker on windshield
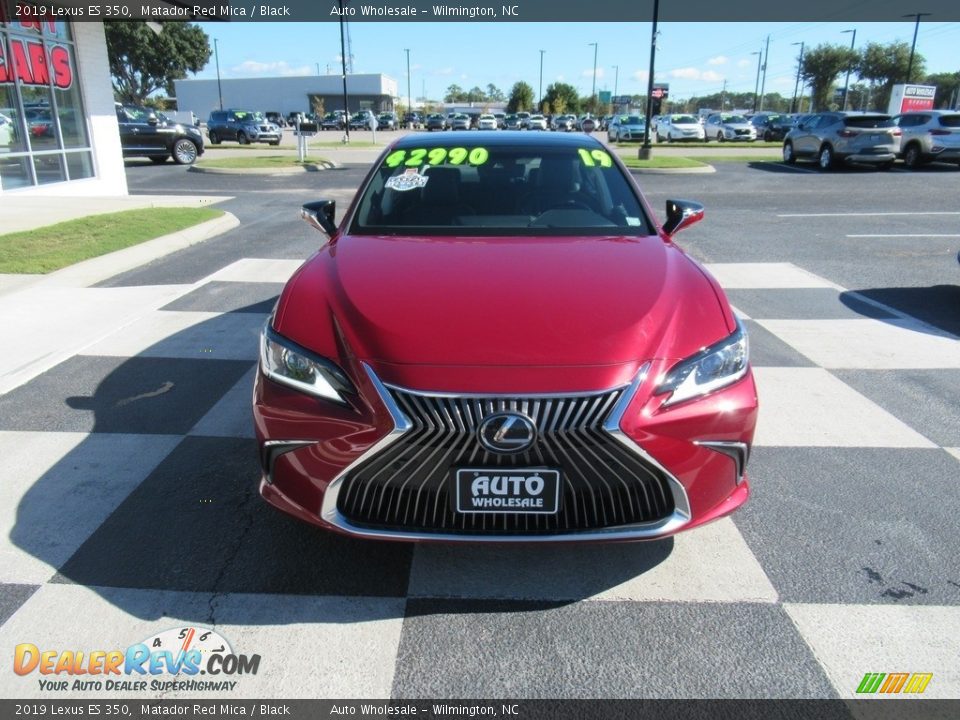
[
  {"x": 409, "y": 180},
  {"x": 633, "y": 222}
]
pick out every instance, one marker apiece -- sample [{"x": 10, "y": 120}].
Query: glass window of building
[{"x": 44, "y": 137}]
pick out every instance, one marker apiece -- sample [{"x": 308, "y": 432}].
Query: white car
[
  {"x": 679, "y": 127},
  {"x": 537, "y": 122},
  {"x": 724, "y": 126},
  {"x": 486, "y": 122}
]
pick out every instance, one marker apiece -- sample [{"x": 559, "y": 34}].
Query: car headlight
[
  {"x": 714, "y": 367},
  {"x": 287, "y": 363}
]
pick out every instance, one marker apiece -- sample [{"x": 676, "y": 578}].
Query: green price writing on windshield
[
  {"x": 592, "y": 158},
  {"x": 437, "y": 156}
]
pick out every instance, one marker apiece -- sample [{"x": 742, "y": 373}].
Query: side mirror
[
  {"x": 319, "y": 215},
  {"x": 152, "y": 119},
  {"x": 681, "y": 214}
]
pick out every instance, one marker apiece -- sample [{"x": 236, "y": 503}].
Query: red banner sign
[{"x": 33, "y": 64}]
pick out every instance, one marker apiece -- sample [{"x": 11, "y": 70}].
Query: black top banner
[{"x": 497, "y": 11}]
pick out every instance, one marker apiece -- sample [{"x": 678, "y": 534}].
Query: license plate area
[{"x": 527, "y": 491}]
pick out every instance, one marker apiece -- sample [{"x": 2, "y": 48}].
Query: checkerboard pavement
[{"x": 129, "y": 507}]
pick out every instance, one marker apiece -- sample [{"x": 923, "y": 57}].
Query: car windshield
[
  {"x": 501, "y": 190},
  {"x": 734, "y": 119},
  {"x": 869, "y": 121},
  {"x": 633, "y": 120},
  {"x": 684, "y": 120},
  {"x": 243, "y": 115}
]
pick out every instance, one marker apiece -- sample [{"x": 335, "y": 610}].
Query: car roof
[{"x": 506, "y": 138}]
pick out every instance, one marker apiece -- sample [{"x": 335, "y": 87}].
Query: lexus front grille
[{"x": 406, "y": 486}]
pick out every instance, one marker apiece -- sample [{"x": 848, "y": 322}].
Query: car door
[{"x": 805, "y": 140}]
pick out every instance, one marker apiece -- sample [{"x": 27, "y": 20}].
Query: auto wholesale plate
[{"x": 507, "y": 490}]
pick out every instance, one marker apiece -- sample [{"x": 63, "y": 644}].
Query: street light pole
[
  {"x": 343, "y": 70},
  {"x": 216, "y": 54},
  {"x": 846, "y": 83},
  {"x": 616, "y": 78},
  {"x": 409, "y": 103},
  {"x": 913, "y": 47},
  {"x": 796, "y": 85},
  {"x": 540, "y": 100},
  {"x": 593, "y": 92},
  {"x": 763, "y": 84},
  {"x": 756, "y": 85},
  {"x": 644, "y": 151}
]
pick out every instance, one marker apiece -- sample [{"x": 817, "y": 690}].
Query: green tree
[
  {"x": 475, "y": 94},
  {"x": 142, "y": 62},
  {"x": 521, "y": 97},
  {"x": 562, "y": 95},
  {"x": 455, "y": 93},
  {"x": 821, "y": 67},
  {"x": 948, "y": 87},
  {"x": 886, "y": 65},
  {"x": 495, "y": 94}
]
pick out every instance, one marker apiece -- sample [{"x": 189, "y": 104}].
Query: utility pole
[
  {"x": 846, "y": 83},
  {"x": 343, "y": 67},
  {"x": 644, "y": 152},
  {"x": 796, "y": 85},
  {"x": 593, "y": 92},
  {"x": 216, "y": 54},
  {"x": 763, "y": 85},
  {"x": 540, "y": 100},
  {"x": 913, "y": 47},
  {"x": 723, "y": 97},
  {"x": 409, "y": 103},
  {"x": 616, "y": 78},
  {"x": 756, "y": 85}
]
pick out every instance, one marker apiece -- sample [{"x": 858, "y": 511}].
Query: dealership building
[
  {"x": 58, "y": 126},
  {"x": 303, "y": 93}
]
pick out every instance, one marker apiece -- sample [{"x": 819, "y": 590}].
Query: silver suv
[
  {"x": 929, "y": 135},
  {"x": 832, "y": 138}
]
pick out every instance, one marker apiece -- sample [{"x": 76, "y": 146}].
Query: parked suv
[
  {"x": 726, "y": 126},
  {"x": 144, "y": 134},
  {"x": 832, "y": 138},
  {"x": 929, "y": 135},
  {"x": 243, "y": 126}
]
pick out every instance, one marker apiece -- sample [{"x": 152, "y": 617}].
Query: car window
[
  {"x": 951, "y": 121},
  {"x": 482, "y": 191},
  {"x": 868, "y": 121},
  {"x": 633, "y": 120},
  {"x": 136, "y": 114}
]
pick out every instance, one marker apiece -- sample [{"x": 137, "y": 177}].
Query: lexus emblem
[{"x": 507, "y": 432}]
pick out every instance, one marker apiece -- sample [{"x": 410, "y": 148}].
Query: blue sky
[{"x": 695, "y": 58}]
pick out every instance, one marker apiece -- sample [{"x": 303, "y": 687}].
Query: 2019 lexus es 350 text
[{"x": 499, "y": 342}]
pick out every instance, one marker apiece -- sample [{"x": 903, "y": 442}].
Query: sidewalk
[{"x": 55, "y": 316}]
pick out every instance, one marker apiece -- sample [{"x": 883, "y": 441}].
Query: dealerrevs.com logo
[{"x": 180, "y": 653}]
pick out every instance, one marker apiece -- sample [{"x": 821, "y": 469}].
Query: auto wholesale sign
[
  {"x": 32, "y": 63},
  {"x": 905, "y": 98}
]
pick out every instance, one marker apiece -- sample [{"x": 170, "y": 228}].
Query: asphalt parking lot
[{"x": 136, "y": 507}]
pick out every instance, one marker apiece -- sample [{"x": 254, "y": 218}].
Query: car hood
[
  {"x": 499, "y": 302},
  {"x": 738, "y": 126}
]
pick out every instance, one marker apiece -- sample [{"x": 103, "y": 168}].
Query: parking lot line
[
  {"x": 913, "y": 235},
  {"x": 867, "y": 214}
]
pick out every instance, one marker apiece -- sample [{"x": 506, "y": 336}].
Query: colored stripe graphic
[
  {"x": 894, "y": 682},
  {"x": 918, "y": 682},
  {"x": 870, "y": 682}
]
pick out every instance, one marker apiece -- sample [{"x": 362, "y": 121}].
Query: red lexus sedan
[{"x": 499, "y": 342}]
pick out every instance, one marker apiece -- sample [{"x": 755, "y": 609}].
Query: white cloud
[
  {"x": 691, "y": 73},
  {"x": 442, "y": 71},
  {"x": 589, "y": 73},
  {"x": 718, "y": 60},
  {"x": 744, "y": 63},
  {"x": 271, "y": 69},
  {"x": 559, "y": 78}
]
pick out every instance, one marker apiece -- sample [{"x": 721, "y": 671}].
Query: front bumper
[{"x": 694, "y": 453}]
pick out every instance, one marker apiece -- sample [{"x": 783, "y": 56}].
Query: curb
[
  {"x": 296, "y": 170},
  {"x": 95, "y": 270},
  {"x": 705, "y": 170}
]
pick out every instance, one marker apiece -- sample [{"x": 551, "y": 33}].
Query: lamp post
[
  {"x": 616, "y": 78},
  {"x": 409, "y": 103},
  {"x": 593, "y": 91},
  {"x": 846, "y": 83},
  {"x": 756, "y": 85},
  {"x": 216, "y": 55},
  {"x": 343, "y": 70},
  {"x": 913, "y": 46},
  {"x": 644, "y": 152},
  {"x": 796, "y": 85},
  {"x": 540, "y": 95},
  {"x": 763, "y": 83}
]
